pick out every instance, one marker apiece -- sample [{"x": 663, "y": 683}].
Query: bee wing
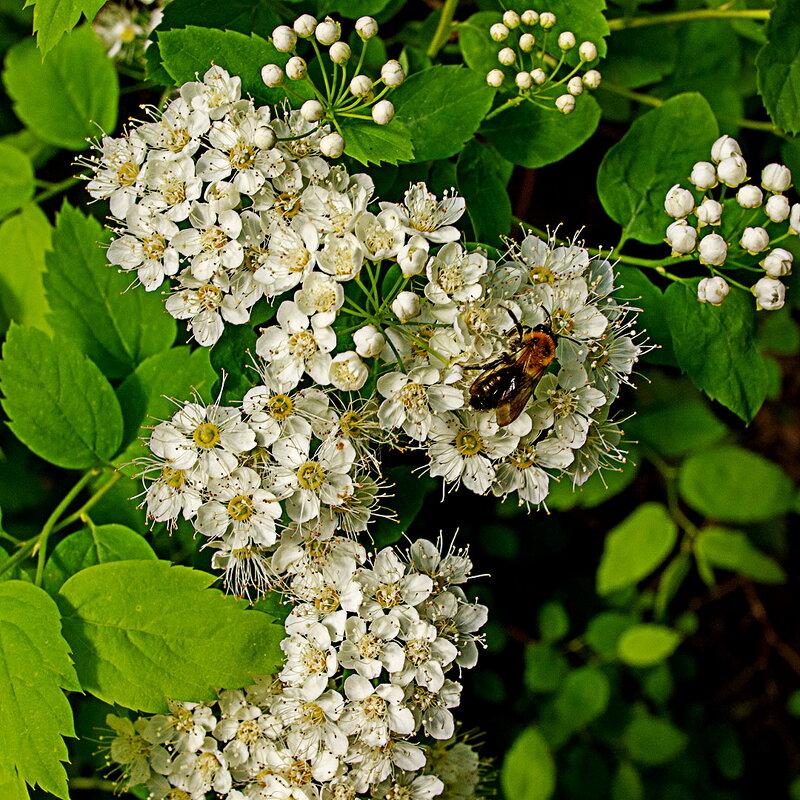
[{"x": 509, "y": 410}]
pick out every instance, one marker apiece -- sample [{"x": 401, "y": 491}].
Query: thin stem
[
  {"x": 98, "y": 784},
  {"x": 514, "y": 101},
  {"x": 93, "y": 500},
  {"x": 688, "y": 16},
  {"x": 48, "y": 526},
  {"x": 322, "y": 69},
  {"x": 20, "y": 555},
  {"x": 442, "y": 32},
  {"x": 57, "y": 188}
]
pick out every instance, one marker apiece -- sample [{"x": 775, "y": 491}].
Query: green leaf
[
  {"x": 545, "y": 668},
  {"x": 24, "y": 238},
  {"x": 16, "y": 179},
  {"x": 477, "y": 47},
  {"x": 67, "y": 96},
  {"x": 53, "y": 18},
  {"x": 482, "y": 178},
  {"x": 639, "y": 56},
  {"x": 442, "y": 108},
  {"x": 90, "y": 303},
  {"x": 736, "y": 485},
  {"x": 778, "y": 333},
  {"x": 143, "y": 631},
  {"x": 627, "y": 783},
  {"x": 59, "y": 403},
  {"x": 604, "y": 630},
  {"x": 553, "y": 621},
  {"x": 529, "y": 771},
  {"x": 190, "y": 51},
  {"x": 12, "y": 786},
  {"x": 375, "y": 144},
  {"x": 408, "y": 491},
  {"x": 144, "y": 395},
  {"x": 635, "y": 547},
  {"x": 778, "y": 67},
  {"x": 644, "y": 294},
  {"x": 34, "y": 668},
  {"x": 654, "y": 154},
  {"x": 357, "y": 8},
  {"x": 647, "y": 644},
  {"x": 90, "y": 546},
  {"x": 652, "y": 740},
  {"x": 583, "y": 696},
  {"x": 671, "y": 580},
  {"x": 732, "y": 550},
  {"x": 716, "y": 347},
  {"x": 245, "y": 16},
  {"x": 533, "y": 137}
]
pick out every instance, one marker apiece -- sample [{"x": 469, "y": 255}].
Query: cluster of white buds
[
  {"x": 371, "y": 648},
  {"x": 124, "y": 28},
  {"x": 536, "y": 56},
  {"x": 764, "y": 217},
  {"x": 344, "y": 94}
]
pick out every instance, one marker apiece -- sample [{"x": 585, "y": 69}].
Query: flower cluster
[
  {"x": 124, "y": 27},
  {"x": 342, "y": 95},
  {"x": 763, "y": 218},
  {"x": 538, "y": 77},
  {"x": 397, "y": 626}
]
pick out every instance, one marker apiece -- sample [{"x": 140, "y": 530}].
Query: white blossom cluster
[
  {"x": 538, "y": 76},
  {"x": 124, "y": 27},
  {"x": 370, "y": 650},
  {"x": 760, "y": 212}
]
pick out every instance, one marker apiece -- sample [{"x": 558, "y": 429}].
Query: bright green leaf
[
  {"x": 16, "y": 179},
  {"x": 733, "y": 484},
  {"x": 716, "y": 347},
  {"x": 627, "y": 783},
  {"x": 53, "y": 18},
  {"x": 90, "y": 303},
  {"x": 553, "y": 621},
  {"x": 35, "y": 666},
  {"x": 59, "y": 403},
  {"x": 644, "y": 294},
  {"x": 647, "y": 644},
  {"x": 24, "y": 239},
  {"x": 652, "y": 740},
  {"x": 671, "y": 580},
  {"x": 90, "y": 546},
  {"x": 12, "y": 786},
  {"x": 583, "y": 696},
  {"x": 376, "y": 144},
  {"x": 143, "y": 631},
  {"x": 636, "y": 547},
  {"x": 732, "y": 550},
  {"x": 529, "y": 771},
  {"x": 442, "y": 108},
  {"x": 654, "y": 154},
  {"x": 67, "y": 96},
  {"x": 778, "y": 66},
  {"x": 482, "y": 178},
  {"x": 604, "y": 630}
]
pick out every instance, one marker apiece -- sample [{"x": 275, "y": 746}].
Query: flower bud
[
  {"x": 547, "y": 19},
  {"x": 511, "y": 20},
  {"x": 312, "y": 111},
  {"x": 529, "y": 17},
  {"x": 749, "y": 196},
  {"x": 328, "y": 31},
  {"x": 494, "y": 77},
  {"x": 305, "y": 25},
  {"x": 498, "y": 32},
  {"x": 340, "y": 52},
  {"x": 527, "y": 42},
  {"x": 272, "y": 75},
  {"x": 506, "y": 56},
  {"x": 539, "y": 76},
  {"x": 794, "y": 218},
  {"x": 523, "y": 80},
  {"x": 713, "y": 250},
  {"x": 348, "y": 373},
  {"x": 754, "y": 240},
  {"x": 592, "y": 78},
  {"x": 360, "y": 86},
  {"x": 566, "y": 40},
  {"x": 679, "y": 202},
  {"x": 406, "y": 306},
  {"x": 413, "y": 256},
  {"x": 713, "y": 290},
  {"x": 776, "y": 178},
  {"x": 681, "y": 237},
  {"x": 777, "y": 207},
  {"x": 588, "y": 51},
  {"x": 770, "y": 294},
  {"x": 392, "y": 73},
  {"x": 296, "y": 68},
  {"x": 383, "y": 112},
  {"x": 575, "y": 86},
  {"x": 732, "y": 170},
  {"x": 778, "y": 262},
  {"x": 331, "y": 145},
  {"x": 725, "y": 147},
  {"x": 704, "y": 175},
  {"x": 709, "y": 212},
  {"x": 366, "y": 27},
  {"x": 369, "y": 341},
  {"x": 264, "y": 137},
  {"x": 565, "y": 103},
  {"x": 284, "y": 38}
]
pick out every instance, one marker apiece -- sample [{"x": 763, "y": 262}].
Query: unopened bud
[
  {"x": 754, "y": 240},
  {"x": 713, "y": 290},
  {"x": 539, "y": 76},
  {"x": 383, "y": 112},
  {"x": 331, "y": 145},
  {"x": 494, "y": 77},
  {"x": 366, "y": 27},
  {"x": 529, "y": 17},
  {"x": 592, "y": 79},
  {"x": 498, "y": 32},
  {"x": 794, "y": 218},
  {"x": 392, "y": 73},
  {"x": 588, "y": 51},
  {"x": 777, "y": 207},
  {"x": 681, "y": 237},
  {"x": 328, "y": 31},
  {"x": 272, "y": 75},
  {"x": 360, "y": 86},
  {"x": 709, "y": 212},
  {"x": 749, "y": 196},
  {"x": 725, "y": 147},
  {"x": 776, "y": 178},
  {"x": 713, "y": 250},
  {"x": 340, "y": 52},
  {"x": 704, "y": 175},
  {"x": 527, "y": 42},
  {"x": 369, "y": 341},
  {"x": 284, "y": 38},
  {"x": 732, "y": 170},
  {"x": 523, "y": 80},
  {"x": 679, "y": 202},
  {"x": 566, "y": 40},
  {"x": 778, "y": 262},
  {"x": 575, "y": 86},
  {"x": 296, "y": 68},
  {"x": 305, "y": 25},
  {"x": 770, "y": 294},
  {"x": 547, "y": 19},
  {"x": 312, "y": 111},
  {"x": 565, "y": 103},
  {"x": 406, "y": 306},
  {"x": 511, "y": 19},
  {"x": 264, "y": 137},
  {"x": 506, "y": 56}
]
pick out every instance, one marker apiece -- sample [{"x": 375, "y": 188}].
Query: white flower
[
  {"x": 130, "y": 749},
  {"x": 374, "y": 713},
  {"x": 413, "y": 256},
  {"x": 454, "y": 275},
  {"x": 794, "y": 219},
  {"x": 568, "y": 308},
  {"x": 732, "y": 170},
  {"x": 770, "y": 294},
  {"x": 709, "y": 212},
  {"x": 524, "y": 470},
  {"x": 211, "y": 242},
  {"x": 368, "y": 648},
  {"x": 575, "y": 86},
  {"x": 348, "y": 372},
  {"x": 749, "y": 196},
  {"x": 776, "y": 178},
  {"x": 432, "y": 709},
  {"x": 778, "y": 262},
  {"x": 713, "y": 290},
  {"x": 681, "y": 237},
  {"x": 704, "y": 175},
  {"x": 381, "y": 235},
  {"x": 679, "y": 202},
  {"x": 170, "y": 494},
  {"x": 406, "y": 306},
  {"x": 320, "y": 297},
  {"x": 203, "y": 771},
  {"x": 725, "y": 147},
  {"x": 527, "y": 41},
  {"x": 171, "y": 186},
  {"x": 311, "y": 722},
  {"x": 547, "y": 19},
  {"x": 310, "y": 660},
  {"x": 427, "y": 656},
  {"x": 530, "y": 17},
  {"x": 205, "y": 306},
  {"x": 777, "y": 208},
  {"x": 511, "y": 19},
  {"x": 713, "y": 250},
  {"x": 117, "y": 172},
  {"x": 289, "y": 259},
  {"x": 422, "y": 213},
  {"x": 754, "y": 240},
  {"x": 216, "y": 95}
]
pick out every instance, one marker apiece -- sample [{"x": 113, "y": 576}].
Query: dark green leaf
[
  {"x": 477, "y": 47},
  {"x": 627, "y": 783},
  {"x": 647, "y": 644},
  {"x": 545, "y": 668},
  {"x": 583, "y": 696},
  {"x": 604, "y": 630},
  {"x": 652, "y": 740},
  {"x": 482, "y": 178},
  {"x": 53, "y": 18},
  {"x": 357, "y": 8},
  {"x": 732, "y": 550},
  {"x": 375, "y": 144},
  {"x": 529, "y": 772},
  {"x": 778, "y": 66},
  {"x": 58, "y": 401},
  {"x": 639, "y": 56},
  {"x": 643, "y": 293},
  {"x": 16, "y": 179},
  {"x": 408, "y": 492},
  {"x": 553, "y": 621}
]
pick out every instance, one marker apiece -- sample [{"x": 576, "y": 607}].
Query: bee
[{"x": 507, "y": 383}]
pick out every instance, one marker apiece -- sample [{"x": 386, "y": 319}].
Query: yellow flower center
[
  {"x": 206, "y": 435},
  {"x": 172, "y": 477},
  {"x": 281, "y": 406},
  {"x": 311, "y": 475},
  {"x": 242, "y": 156},
  {"x": 209, "y": 296},
  {"x": 542, "y": 275},
  {"x": 287, "y": 204},
  {"x": 522, "y": 457},
  {"x": 468, "y": 443},
  {"x": 240, "y": 508},
  {"x": 127, "y": 173}
]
